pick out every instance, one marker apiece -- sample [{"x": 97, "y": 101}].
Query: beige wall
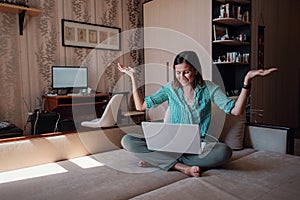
[
  {"x": 172, "y": 26},
  {"x": 278, "y": 94}
]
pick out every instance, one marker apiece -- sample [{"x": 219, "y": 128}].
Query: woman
[{"x": 189, "y": 98}]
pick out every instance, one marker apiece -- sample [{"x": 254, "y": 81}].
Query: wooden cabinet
[
  {"x": 77, "y": 107},
  {"x": 231, "y": 45}
]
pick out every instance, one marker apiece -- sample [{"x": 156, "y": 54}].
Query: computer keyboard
[{"x": 74, "y": 94}]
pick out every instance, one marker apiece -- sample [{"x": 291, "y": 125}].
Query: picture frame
[
  {"x": 220, "y": 33},
  {"x": 88, "y": 35}
]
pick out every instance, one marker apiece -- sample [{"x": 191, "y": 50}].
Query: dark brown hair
[{"x": 190, "y": 58}]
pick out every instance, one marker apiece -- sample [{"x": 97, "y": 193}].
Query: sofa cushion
[
  {"x": 228, "y": 128},
  {"x": 260, "y": 175},
  {"x": 233, "y": 131},
  {"x": 122, "y": 160},
  {"x": 237, "y": 154}
]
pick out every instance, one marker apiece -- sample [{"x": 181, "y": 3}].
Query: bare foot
[
  {"x": 193, "y": 171},
  {"x": 144, "y": 164}
]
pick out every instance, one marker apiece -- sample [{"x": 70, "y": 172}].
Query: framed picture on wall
[{"x": 87, "y": 35}]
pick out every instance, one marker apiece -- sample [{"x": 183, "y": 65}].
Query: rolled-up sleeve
[
  {"x": 229, "y": 105},
  {"x": 220, "y": 99},
  {"x": 157, "y": 98}
]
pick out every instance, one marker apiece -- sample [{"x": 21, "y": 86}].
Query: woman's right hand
[
  {"x": 127, "y": 70},
  {"x": 138, "y": 101}
]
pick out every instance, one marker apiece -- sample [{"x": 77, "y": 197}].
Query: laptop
[{"x": 179, "y": 138}]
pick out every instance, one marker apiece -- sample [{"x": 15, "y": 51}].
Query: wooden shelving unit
[
  {"x": 21, "y": 11},
  {"x": 231, "y": 42},
  {"x": 230, "y": 63},
  {"x": 14, "y": 9},
  {"x": 231, "y": 21},
  {"x": 232, "y": 37},
  {"x": 235, "y": 1}
]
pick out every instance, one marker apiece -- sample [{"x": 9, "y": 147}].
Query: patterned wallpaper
[
  {"x": 10, "y": 97},
  {"x": 46, "y": 52},
  {"x": 25, "y": 72}
]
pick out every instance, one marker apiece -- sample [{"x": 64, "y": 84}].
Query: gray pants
[{"x": 213, "y": 155}]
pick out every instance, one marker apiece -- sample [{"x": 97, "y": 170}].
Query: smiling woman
[
  {"x": 189, "y": 99},
  {"x": 187, "y": 63}
]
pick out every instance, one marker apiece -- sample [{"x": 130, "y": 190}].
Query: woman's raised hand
[
  {"x": 127, "y": 70},
  {"x": 138, "y": 101},
  {"x": 259, "y": 72}
]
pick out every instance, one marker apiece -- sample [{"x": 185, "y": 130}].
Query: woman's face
[{"x": 185, "y": 74}]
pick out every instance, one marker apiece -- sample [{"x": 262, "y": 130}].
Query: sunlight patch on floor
[
  {"x": 31, "y": 172},
  {"x": 86, "y": 162}
]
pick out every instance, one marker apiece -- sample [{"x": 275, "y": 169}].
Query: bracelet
[{"x": 247, "y": 87}]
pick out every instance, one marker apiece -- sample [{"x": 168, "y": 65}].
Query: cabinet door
[{"x": 172, "y": 26}]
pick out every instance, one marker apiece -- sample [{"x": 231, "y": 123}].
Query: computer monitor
[{"x": 69, "y": 77}]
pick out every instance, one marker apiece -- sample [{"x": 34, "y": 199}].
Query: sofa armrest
[{"x": 269, "y": 138}]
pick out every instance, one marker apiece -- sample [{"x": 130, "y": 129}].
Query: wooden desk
[{"x": 86, "y": 104}]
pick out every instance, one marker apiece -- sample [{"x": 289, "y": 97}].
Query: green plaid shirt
[{"x": 199, "y": 112}]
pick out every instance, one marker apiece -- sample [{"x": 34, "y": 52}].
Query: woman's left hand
[{"x": 259, "y": 72}]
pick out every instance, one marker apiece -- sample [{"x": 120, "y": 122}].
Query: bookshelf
[
  {"x": 231, "y": 21},
  {"x": 231, "y": 44}
]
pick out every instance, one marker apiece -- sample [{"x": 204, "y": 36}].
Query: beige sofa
[{"x": 92, "y": 165}]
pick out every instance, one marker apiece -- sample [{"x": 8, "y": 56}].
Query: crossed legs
[{"x": 214, "y": 155}]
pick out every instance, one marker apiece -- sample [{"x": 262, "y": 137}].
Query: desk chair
[
  {"x": 130, "y": 115},
  {"x": 110, "y": 114}
]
